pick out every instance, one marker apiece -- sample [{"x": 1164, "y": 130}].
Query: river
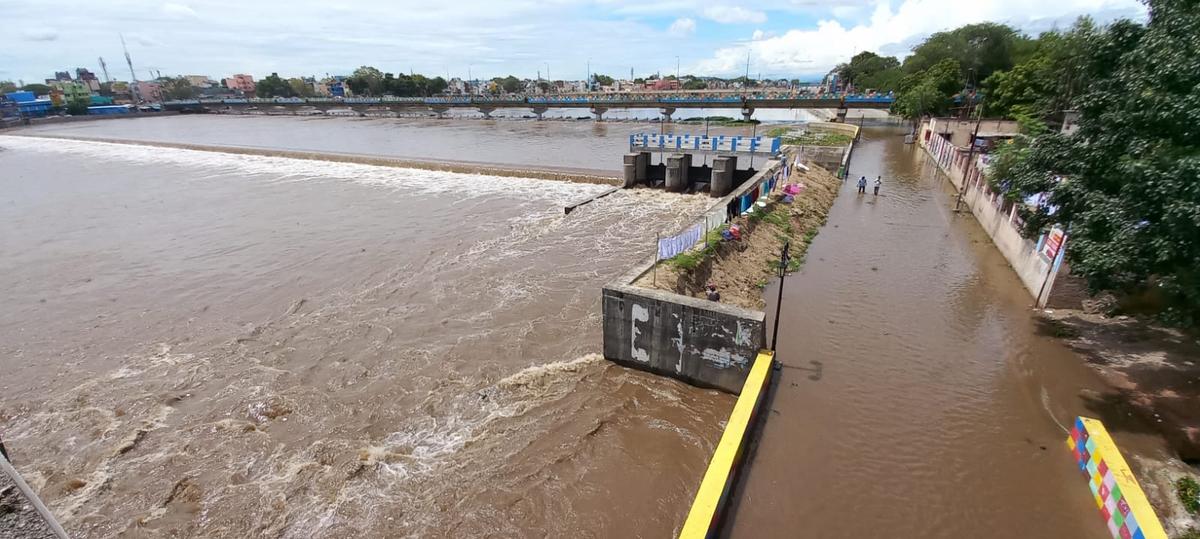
[
  {"x": 207, "y": 344},
  {"x": 918, "y": 397}
]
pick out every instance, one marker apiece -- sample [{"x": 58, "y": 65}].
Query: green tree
[
  {"x": 38, "y": 89},
  {"x": 78, "y": 106},
  {"x": 1047, "y": 81},
  {"x": 367, "y": 81},
  {"x": 605, "y": 80},
  {"x": 979, "y": 50},
  {"x": 509, "y": 84},
  {"x": 301, "y": 88},
  {"x": 695, "y": 84},
  {"x": 1127, "y": 184},
  {"x": 273, "y": 86},
  {"x": 7, "y": 86},
  {"x": 929, "y": 91},
  {"x": 869, "y": 70},
  {"x": 177, "y": 88}
]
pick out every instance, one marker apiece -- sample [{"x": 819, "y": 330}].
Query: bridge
[{"x": 597, "y": 104}]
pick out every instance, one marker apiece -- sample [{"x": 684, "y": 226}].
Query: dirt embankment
[
  {"x": 741, "y": 269},
  {"x": 1154, "y": 373}
]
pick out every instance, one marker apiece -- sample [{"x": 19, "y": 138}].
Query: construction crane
[
  {"x": 104, "y": 68},
  {"x": 133, "y": 89}
]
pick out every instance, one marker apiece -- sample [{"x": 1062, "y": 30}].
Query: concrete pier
[
  {"x": 598, "y": 112},
  {"x": 678, "y": 166},
  {"x": 636, "y": 168},
  {"x": 539, "y": 111},
  {"x": 666, "y": 113},
  {"x": 440, "y": 110},
  {"x": 487, "y": 111},
  {"x": 747, "y": 113},
  {"x": 724, "y": 167}
]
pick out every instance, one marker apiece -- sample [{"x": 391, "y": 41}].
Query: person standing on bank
[
  {"x": 878, "y": 182},
  {"x": 862, "y": 185}
]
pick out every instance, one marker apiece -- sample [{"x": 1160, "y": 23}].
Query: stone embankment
[{"x": 741, "y": 268}]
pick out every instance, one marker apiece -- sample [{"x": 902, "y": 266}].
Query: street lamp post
[{"x": 784, "y": 259}]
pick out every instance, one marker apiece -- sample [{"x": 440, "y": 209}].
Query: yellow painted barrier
[
  {"x": 1120, "y": 499},
  {"x": 718, "y": 479}
]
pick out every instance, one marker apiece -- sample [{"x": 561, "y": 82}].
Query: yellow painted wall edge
[{"x": 718, "y": 479}]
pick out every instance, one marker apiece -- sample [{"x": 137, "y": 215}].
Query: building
[
  {"x": 148, "y": 92},
  {"x": 60, "y": 76},
  {"x": 665, "y": 85},
  {"x": 200, "y": 81},
  {"x": 242, "y": 83},
  {"x": 73, "y": 90},
  {"x": 29, "y": 105}
]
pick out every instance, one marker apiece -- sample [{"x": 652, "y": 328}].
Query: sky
[{"x": 562, "y": 39}]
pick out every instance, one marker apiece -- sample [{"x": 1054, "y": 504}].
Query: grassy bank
[
  {"x": 741, "y": 269},
  {"x": 812, "y": 138},
  {"x": 720, "y": 121}
]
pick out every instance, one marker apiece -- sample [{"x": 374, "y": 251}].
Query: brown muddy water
[
  {"x": 918, "y": 397},
  {"x": 582, "y": 145},
  {"x": 206, "y": 344}
]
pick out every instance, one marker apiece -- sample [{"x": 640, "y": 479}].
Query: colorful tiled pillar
[{"x": 1116, "y": 491}]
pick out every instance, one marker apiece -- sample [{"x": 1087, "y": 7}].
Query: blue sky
[{"x": 783, "y": 38}]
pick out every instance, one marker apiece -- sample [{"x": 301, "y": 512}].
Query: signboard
[{"x": 1053, "y": 243}]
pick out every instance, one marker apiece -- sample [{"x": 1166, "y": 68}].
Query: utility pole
[
  {"x": 676, "y": 67},
  {"x": 747, "y": 68},
  {"x": 969, "y": 165},
  {"x": 589, "y": 75}
]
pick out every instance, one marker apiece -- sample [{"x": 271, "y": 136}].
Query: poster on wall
[{"x": 1053, "y": 243}]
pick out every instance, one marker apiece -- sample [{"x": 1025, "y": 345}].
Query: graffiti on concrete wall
[{"x": 638, "y": 314}]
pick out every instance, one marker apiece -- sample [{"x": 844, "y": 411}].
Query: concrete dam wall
[{"x": 704, "y": 343}]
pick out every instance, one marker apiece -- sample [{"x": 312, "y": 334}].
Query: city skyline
[{"x": 559, "y": 40}]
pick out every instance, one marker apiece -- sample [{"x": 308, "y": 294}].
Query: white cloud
[
  {"x": 40, "y": 34},
  {"x": 178, "y": 10},
  {"x": 682, "y": 27},
  {"x": 734, "y": 14},
  {"x": 816, "y": 50}
]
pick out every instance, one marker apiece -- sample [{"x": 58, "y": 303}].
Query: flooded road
[
  {"x": 218, "y": 345},
  {"x": 916, "y": 398}
]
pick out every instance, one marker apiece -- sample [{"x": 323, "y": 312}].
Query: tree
[
  {"x": 37, "y": 89},
  {"x": 929, "y": 91},
  {"x": 979, "y": 50},
  {"x": 301, "y": 88},
  {"x": 177, "y": 88},
  {"x": 605, "y": 80},
  {"x": 367, "y": 81},
  {"x": 78, "y": 106},
  {"x": 869, "y": 70},
  {"x": 273, "y": 86},
  {"x": 1129, "y": 191},
  {"x": 1046, "y": 81},
  {"x": 695, "y": 84},
  {"x": 7, "y": 86},
  {"x": 509, "y": 84}
]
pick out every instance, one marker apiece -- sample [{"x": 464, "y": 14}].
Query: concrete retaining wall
[
  {"x": 1036, "y": 272},
  {"x": 704, "y": 343}
]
